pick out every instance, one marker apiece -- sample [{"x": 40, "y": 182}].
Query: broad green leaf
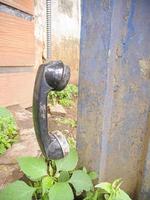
[
  {"x": 34, "y": 168},
  {"x": 105, "y": 186},
  {"x": 93, "y": 175},
  {"x": 47, "y": 183},
  {"x": 81, "y": 181},
  {"x": 64, "y": 176},
  {"x": 69, "y": 162},
  {"x": 17, "y": 191},
  {"x": 61, "y": 191},
  {"x": 121, "y": 195}
]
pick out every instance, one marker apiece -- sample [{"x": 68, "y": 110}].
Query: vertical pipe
[{"x": 48, "y": 19}]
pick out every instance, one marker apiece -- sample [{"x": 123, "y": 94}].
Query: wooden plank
[
  {"x": 16, "y": 41},
  {"x": 24, "y": 5}
]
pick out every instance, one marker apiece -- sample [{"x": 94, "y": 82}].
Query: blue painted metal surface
[{"x": 114, "y": 92}]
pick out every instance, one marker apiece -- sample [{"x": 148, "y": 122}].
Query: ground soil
[
  {"x": 54, "y": 124},
  {"x": 66, "y": 129}
]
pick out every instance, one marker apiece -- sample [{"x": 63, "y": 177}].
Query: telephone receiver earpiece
[{"x": 52, "y": 76}]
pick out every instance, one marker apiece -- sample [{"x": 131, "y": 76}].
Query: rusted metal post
[{"x": 114, "y": 92}]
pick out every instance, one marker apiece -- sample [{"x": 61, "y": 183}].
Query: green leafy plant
[
  {"x": 108, "y": 191},
  {"x": 53, "y": 180},
  {"x": 8, "y": 130},
  {"x": 64, "y": 97},
  {"x": 68, "y": 121},
  {"x": 60, "y": 180}
]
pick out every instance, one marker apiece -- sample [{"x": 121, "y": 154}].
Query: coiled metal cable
[{"x": 48, "y": 19}]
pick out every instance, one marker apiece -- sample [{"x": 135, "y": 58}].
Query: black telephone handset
[{"x": 52, "y": 76}]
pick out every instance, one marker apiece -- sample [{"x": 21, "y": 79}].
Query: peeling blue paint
[
  {"x": 130, "y": 27},
  {"x": 114, "y": 92}
]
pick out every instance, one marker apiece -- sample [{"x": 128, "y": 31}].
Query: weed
[
  {"x": 64, "y": 97},
  {"x": 71, "y": 142},
  {"x": 107, "y": 191},
  {"x": 60, "y": 180},
  {"x": 68, "y": 121},
  {"x": 8, "y": 130}
]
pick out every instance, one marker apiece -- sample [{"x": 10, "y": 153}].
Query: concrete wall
[
  {"x": 66, "y": 33},
  {"x": 114, "y": 92}
]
